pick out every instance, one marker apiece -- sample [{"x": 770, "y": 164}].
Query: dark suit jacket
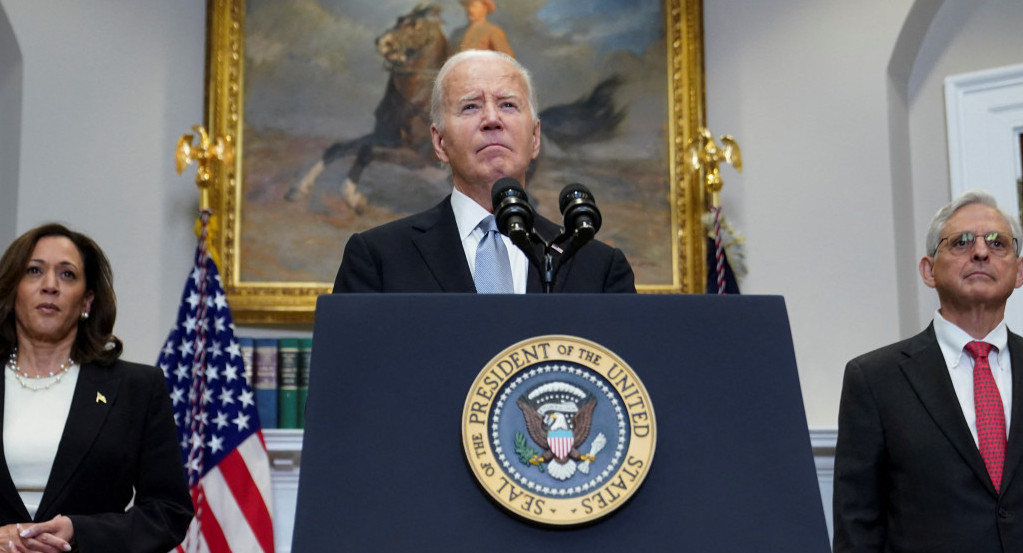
[
  {"x": 423, "y": 253},
  {"x": 109, "y": 449},
  {"x": 908, "y": 474}
]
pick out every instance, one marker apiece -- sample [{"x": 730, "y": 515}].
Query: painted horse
[{"x": 413, "y": 51}]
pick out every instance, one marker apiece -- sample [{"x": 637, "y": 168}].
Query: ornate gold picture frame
[{"x": 282, "y": 216}]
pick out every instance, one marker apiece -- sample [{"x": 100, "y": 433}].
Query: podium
[{"x": 383, "y": 467}]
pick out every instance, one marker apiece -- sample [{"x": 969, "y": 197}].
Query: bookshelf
[{"x": 283, "y": 445}]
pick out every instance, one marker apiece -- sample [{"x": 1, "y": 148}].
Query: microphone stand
[{"x": 526, "y": 240}]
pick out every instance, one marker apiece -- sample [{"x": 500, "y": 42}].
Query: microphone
[
  {"x": 512, "y": 211},
  {"x": 582, "y": 218}
]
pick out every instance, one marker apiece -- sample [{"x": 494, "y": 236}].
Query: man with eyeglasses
[{"x": 930, "y": 429}]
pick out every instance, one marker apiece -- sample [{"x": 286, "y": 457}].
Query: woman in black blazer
[{"x": 84, "y": 434}]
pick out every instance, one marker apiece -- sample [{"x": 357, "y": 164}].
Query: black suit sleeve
[
  {"x": 162, "y": 507},
  {"x": 619, "y": 279},
  {"x": 860, "y": 468},
  {"x": 359, "y": 271}
]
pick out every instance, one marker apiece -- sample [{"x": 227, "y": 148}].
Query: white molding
[
  {"x": 983, "y": 111},
  {"x": 284, "y": 447},
  {"x": 823, "y": 440}
]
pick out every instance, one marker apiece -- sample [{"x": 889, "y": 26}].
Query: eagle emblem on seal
[{"x": 558, "y": 416}]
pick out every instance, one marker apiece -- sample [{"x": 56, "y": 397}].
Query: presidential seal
[{"x": 558, "y": 430}]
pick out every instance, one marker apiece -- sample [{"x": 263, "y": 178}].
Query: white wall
[
  {"x": 10, "y": 129},
  {"x": 967, "y": 37},
  {"x": 109, "y": 87},
  {"x": 839, "y": 110},
  {"x": 837, "y": 105},
  {"x": 801, "y": 84}
]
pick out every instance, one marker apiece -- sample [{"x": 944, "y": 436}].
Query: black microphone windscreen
[
  {"x": 572, "y": 192},
  {"x": 504, "y": 187}
]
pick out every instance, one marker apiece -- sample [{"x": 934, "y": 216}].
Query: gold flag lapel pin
[{"x": 100, "y": 398}]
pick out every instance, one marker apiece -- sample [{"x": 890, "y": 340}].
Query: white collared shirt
[
  {"x": 952, "y": 340},
  {"x": 468, "y": 215}
]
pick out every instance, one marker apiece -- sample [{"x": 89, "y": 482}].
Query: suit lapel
[
  {"x": 95, "y": 395},
  {"x": 440, "y": 247},
  {"x": 927, "y": 373},
  {"x": 8, "y": 492},
  {"x": 1014, "y": 448}
]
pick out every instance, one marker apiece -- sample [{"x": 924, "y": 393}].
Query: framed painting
[{"x": 305, "y": 91}]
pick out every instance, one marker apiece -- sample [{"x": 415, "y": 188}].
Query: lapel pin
[{"x": 100, "y": 398}]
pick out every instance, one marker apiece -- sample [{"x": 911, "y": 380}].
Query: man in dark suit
[
  {"x": 930, "y": 429},
  {"x": 485, "y": 126}
]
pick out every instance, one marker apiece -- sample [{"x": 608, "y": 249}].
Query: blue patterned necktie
[{"x": 493, "y": 270}]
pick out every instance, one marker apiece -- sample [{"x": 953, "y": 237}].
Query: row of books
[{"x": 278, "y": 369}]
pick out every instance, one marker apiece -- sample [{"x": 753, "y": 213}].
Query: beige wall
[
  {"x": 839, "y": 109},
  {"x": 837, "y": 105}
]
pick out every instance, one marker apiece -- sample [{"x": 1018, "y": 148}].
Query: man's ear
[
  {"x": 536, "y": 140},
  {"x": 438, "y": 144},
  {"x": 927, "y": 271}
]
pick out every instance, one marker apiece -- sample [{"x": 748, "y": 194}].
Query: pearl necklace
[{"x": 24, "y": 379}]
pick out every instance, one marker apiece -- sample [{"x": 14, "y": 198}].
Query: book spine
[
  {"x": 265, "y": 362},
  {"x": 248, "y": 348},
  {"x": 305, "y": 354},
  {"x": 287, "y": 390}
]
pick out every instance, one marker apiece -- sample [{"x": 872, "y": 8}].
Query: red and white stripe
[{"x": 233, "y": 505}]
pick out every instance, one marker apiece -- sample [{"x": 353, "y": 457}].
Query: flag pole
[
  {"x": 219, "y": 432},
  {"x": 704, "y": 155}
]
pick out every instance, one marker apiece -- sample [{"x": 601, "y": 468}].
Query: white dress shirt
[{"x": 952, "y": 340}]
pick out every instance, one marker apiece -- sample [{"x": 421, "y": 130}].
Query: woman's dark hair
[{"x": 95, "y": 341}]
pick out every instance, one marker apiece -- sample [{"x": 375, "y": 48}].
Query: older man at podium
[{"x": 485, "y": 127}]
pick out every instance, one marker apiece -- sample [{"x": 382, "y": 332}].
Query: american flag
[{"x": 218, "y": 426}]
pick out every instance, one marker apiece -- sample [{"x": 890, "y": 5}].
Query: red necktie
[{"x": 987, "y": 403}]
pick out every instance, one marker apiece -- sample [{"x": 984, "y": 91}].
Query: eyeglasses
[{"x": 998, "y": 243}]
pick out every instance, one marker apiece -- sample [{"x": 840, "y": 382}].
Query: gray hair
[
  {"x": 437, "y": 97},
  {"x": 970, "y": 197}
]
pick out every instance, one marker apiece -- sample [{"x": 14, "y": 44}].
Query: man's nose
[
  {"x": 980, "y": 250},
  {"x": 491, "y": 116}
]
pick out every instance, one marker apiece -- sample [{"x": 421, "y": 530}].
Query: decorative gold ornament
[
  {"x": 704, "y": 154},
  {"x": 203, "y": 154}
]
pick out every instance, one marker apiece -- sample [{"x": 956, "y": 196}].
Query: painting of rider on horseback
[{"x": 604, "y": 122}]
